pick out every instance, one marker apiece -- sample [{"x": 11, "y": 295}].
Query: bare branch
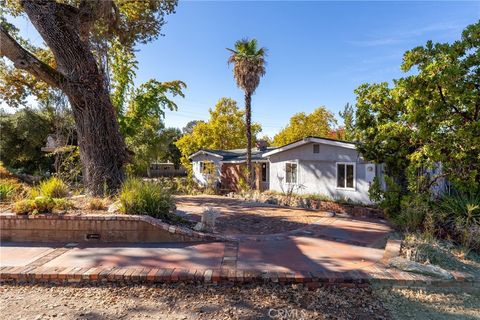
[{"x": 22, "y": 59}]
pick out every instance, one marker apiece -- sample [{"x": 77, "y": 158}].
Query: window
[
  {"x": 207, "y": 167},
  {"x": 316, "y": 148},
  {"x": 291, "y": 172},
  {"x": 346, "y": 175}
]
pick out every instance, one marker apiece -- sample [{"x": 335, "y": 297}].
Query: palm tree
[{"x": 249, "y": 67}]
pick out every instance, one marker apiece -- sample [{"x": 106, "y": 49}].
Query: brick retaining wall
[{"x": 95, "y": 228}]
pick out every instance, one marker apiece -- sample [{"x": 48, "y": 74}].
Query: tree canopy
[
  {"x": 81, "y": 36},
  {"x": 429, "y": 119},
  {"x": 319, "y": 123},
  {"x": 224, "y": 130}
]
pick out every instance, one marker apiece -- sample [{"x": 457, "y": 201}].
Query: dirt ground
[
  {"x": 240, "y": 217},
  {"x": 253, "y": 302}
]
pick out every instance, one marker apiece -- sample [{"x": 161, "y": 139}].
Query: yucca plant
[
  {"x": 460, "y": 214},
  {"x": 461, "y": 209}
]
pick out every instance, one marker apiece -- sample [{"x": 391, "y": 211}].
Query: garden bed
[{"x": 311, "y": 202}]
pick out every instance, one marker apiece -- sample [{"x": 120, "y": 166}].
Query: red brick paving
[{"x": 333, "y": 250}]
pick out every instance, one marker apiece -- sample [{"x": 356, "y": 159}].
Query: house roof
[
  {"x": 295, "y": 144},
  {"x": 234, "y": 155}
]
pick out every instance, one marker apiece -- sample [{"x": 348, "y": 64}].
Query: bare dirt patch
[
  {"x": 188, "y": 302},
  {"x": 240, "y": 217},
  {"x": 419, "y": 304}
]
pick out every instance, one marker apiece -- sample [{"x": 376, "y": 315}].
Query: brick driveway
[{"x": 309, "y": 242}]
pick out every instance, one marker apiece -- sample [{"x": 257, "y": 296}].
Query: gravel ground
[
  {"x": 247, "y": 302},
  {"x": 187, "y": 302}
]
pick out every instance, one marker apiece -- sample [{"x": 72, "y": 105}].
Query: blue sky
[{"x": 318, "y": 52}]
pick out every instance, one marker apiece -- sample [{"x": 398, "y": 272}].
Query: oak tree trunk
[
  {"x": 248, "y": 121},
  {"x": 102, "y": 148}
]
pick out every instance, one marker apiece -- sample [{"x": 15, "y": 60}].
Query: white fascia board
[
  {"x": 244, "y": 161},
  {"x": 203, "y": 152},
  {"x": 311, "y": 140}
]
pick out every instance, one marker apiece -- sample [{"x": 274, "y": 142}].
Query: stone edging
[{"x": 121, "y": 217}]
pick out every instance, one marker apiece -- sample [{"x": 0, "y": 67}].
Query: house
[
  {"x": 312, "y": 165},
  {"x": 226, "y": 169}
]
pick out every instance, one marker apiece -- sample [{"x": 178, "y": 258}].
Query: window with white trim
[
  {"x": 207, "y": 167},
  {"x": 345, "y": 175},
  {"x": 291, "y": 172}
]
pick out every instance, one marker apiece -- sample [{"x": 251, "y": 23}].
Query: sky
[{"x": 318, "y": 52}]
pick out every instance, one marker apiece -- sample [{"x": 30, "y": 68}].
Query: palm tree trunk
[{"x": 248, "y": 120}]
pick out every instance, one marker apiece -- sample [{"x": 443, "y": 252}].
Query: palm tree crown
[{"x": 249, "y": 64}]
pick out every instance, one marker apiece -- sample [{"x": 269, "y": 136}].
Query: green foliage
[
  {"x": 146, "y": 198},
  {"x": 24, "y": 133},
  {"x": 41, "y": 204},
  {"x": 224, "y": 130},
  {"x": 413, "y": 211},
  {"x": 53, "y": 188},
  {"x": 249, "y": 64},
  {"x": 319, "y": 123},
  {"x": 427, "y": 118},
  {"x": 120, "y": 26},
  {"x": 460, "y": 216},
  {"x": 7, "y": 189},
  {"x": 348, "y": 116},
  {"x": 389, "y": 199},
  {"x": 141, "y": 123}
]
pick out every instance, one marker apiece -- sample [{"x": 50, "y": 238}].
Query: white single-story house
[{"x": 312, "y": 165}]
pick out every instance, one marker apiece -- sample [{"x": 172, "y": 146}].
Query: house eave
[
  {"x": 348, "y": 145},
  {"x": 203, "y": 152}
]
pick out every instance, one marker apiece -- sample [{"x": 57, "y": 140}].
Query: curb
[{"x": 371, "y": 276}]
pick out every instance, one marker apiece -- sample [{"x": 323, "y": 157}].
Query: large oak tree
[{"x": 78, "y": 34}]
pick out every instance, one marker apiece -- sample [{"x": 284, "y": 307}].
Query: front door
[{"x": 264, "y": 175}]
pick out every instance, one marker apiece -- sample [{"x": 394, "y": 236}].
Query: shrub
[
  {"x": 25, "y": 206},
  {"x": 96, "y": 204},
  {"x": 62, "y": 204},
  {"x": 10, "y": 188},
  {"x": 6, "y": 190},
  {"x": 53, "y": 188},
  {"x": 41, "y": 205},
  {"x": 460, "y": 216},
  {"x": 146, "y": 198},
  {"x": 413, "y": 211}
]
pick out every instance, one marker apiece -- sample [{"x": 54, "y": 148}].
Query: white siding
[
  {"x": 317, "y": 172},
  {"x": 199, "y": 177}
]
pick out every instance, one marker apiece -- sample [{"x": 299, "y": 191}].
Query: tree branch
[
  {"x": 90, "y": 11},
  {"x": 22, "y": 59},
  {"x": 456, "y": 110}
]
